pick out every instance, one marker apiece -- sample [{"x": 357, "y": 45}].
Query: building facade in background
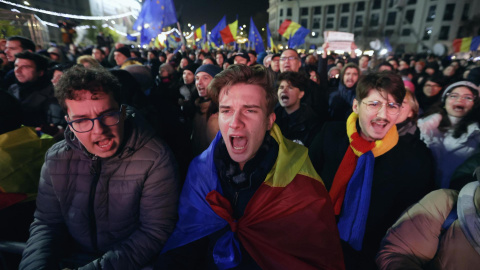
[{"x": 410, "y": 26}]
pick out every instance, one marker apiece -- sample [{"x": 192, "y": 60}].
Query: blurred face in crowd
[
  {"x": 289, "y": 61},
  {"x": 289, "y": 96},
  {"x": 119, "y": 58},
  {"x": 219, "y": 59},
  {"x": 459, "y": 101},
  {"x": 56, "y": 76},
  {"x": 374, "y": 122},
  {"x": 98, "y": 55},
  {"x": 275, "y": 64},
  {"x": 202, "y": 80},
  {"x": 243, "y": 120},
  {"x": 406, "y": 110},
  {"x": 240, "y": 60},
  {"x": 403, "y": 65},
  {"x": 394, "y": 63},
  {"x": 252, "y": 60},
  {"x": 188, "y": 76},
  {"x": 26, "y": 70},
  {"x": 103, "y": 141},
  {"x": 13, "y": 47},
  {"x": 363, "y": 62},
  {"x": 350, "y": 77},
  {"x": 431, "y": 89},
  {"x": 183, "y": 63},
  {"x": 207, "y": 61}
]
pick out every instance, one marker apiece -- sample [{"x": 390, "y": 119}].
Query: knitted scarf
[{"x": 351, "y": 188}]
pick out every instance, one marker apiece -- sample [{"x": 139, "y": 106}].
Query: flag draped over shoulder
[
  {"x": 215, "y": 36},
  {"x": 466, "y": 44},
  {"x": 255, "y": 37},
  {"x": 229, "y": 33},
  {"x": 270, "y": 43},
  {"x": 153, "y": 17},
  {"x": 291, "y": 194},
  {"x": 294, "y": 32}
]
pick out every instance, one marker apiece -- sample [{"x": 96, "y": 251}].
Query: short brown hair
[
  {"x": 388, "y": 82},
  {"x": 347, "y": 66},
  {"x": 80, "y": 78},
  {"x": 254, "y": 75}
]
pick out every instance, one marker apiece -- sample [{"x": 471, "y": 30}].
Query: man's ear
[
  {"x": 355, "y": 105},
  {"x": 302, "y": 93},
  {"x": 271, "y": 120}
]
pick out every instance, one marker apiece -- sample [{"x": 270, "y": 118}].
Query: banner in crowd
[
  {"x": 229, "y": 33},
  {"x": 339, "y": 40}
]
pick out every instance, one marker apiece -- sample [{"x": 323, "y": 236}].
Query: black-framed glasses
[
  {"x": 392, "y": 108},
  {"x": 290, "y": 58},
  {"x": 86, "y": 124},
  {"x": 456, "y": 96}
]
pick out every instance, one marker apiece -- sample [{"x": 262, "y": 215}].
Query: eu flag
[
  {"x": 255, "y": 37},
  {"x": 155, "y": 14}
]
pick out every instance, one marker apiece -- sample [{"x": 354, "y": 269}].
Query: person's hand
[
  {"x": 325, "y": 50},
  {"x": 353, "y": 47}
]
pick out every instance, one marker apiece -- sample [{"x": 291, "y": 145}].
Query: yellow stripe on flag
[
  {"x": 233, "y": 28},
  {"x": 292, "y": 28},
  {"x": 466, "y": 42}
]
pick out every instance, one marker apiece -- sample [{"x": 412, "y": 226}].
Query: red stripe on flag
[
  {"x": 284, "y": 26},
  {"x": 226, "y": 34},
  {"x": 457, "y": 44}
]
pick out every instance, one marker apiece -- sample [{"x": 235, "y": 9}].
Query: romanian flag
[
  {"x": 466, "y": 44},
  {"x": 200, "y": 33},
  {"x": 294, "y": 32},
  {"x": 270, "y": 43},
  {"x": 287, "y": 224},
  {"x": 229, "y": 33}
]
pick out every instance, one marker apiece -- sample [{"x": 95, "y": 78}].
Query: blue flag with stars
[
  {"x": 215, "y": 36},
  {"x": 255, "y": 38},
  {"x": 155, "y": 14}
]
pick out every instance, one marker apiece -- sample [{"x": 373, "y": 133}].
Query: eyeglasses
[
  {"x": 457, "y": 97},
  {"x": 375, "y": 106},
  {"x": 86, "y": 124},
  {"x": 290, "y": 58},
  {"x": 431, "y": 86}
]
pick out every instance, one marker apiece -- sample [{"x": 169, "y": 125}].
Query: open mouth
[
  {"x": 105, "y": 144},
  {"x": 458, "y": 108},
  {"x": 379, "y": 125},
  {"x": 284, "y": 97},
  {"x": 238, "y": 142}
]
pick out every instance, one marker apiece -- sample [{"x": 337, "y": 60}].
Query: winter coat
[
  {"x": 401, "y": 177},
  {"x": 413, "y": 240},
  {"x": 448, "y": 152},
  {"x": 301, "y": 126},
  {"x": 121, "y": 209}
]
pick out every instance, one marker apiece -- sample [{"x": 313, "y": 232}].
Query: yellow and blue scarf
[{"x": 352, "y": 185}]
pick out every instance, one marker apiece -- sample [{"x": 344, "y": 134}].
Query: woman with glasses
[{"x": 452, "y": 130}]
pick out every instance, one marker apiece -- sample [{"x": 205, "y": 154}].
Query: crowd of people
[{"x": 127, "y": 158}]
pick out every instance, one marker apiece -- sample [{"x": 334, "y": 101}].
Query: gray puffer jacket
[{"x": 122, "y": 208}]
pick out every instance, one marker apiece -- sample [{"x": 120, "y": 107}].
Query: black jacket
[
  {"x": 301, "y": 125},
  {"x": 401, "y": 177}
]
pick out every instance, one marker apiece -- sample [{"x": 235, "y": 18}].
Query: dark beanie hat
[
  {"x": 124, "y": 50},
  {"x": 212, "y": 70},
  {"x": 474, "y": 76},
  {"x": 191, "y": 67}
]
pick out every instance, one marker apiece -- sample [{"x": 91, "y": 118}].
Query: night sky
[{"x": 198, "y": 12}]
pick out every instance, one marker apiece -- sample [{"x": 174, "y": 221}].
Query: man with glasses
[
  {"x": 371, "y": 175},
  {"x": 110, "y": 186},
  {"x": 315, "y": 97}
]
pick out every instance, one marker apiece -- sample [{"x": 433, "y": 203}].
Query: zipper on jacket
[
  {"x": 235, "y": 199},
  {"x": 96, "y": 168}
]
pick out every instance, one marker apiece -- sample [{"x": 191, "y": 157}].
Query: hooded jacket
[{"x": 120, "y": 209}]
